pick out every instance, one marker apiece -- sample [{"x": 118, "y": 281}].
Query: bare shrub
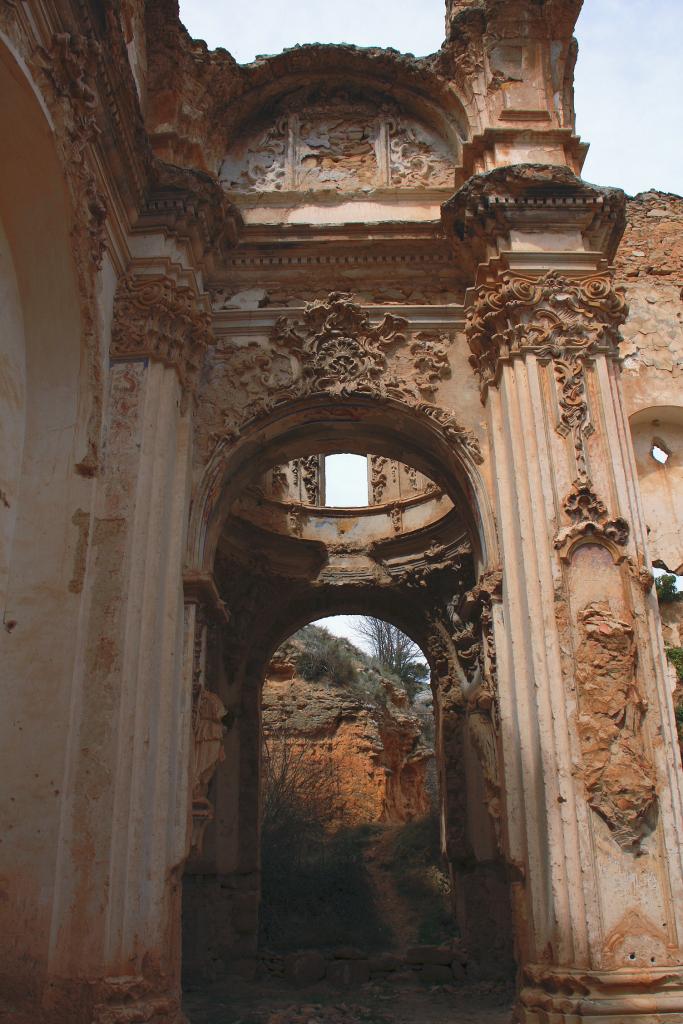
[
  {"x": 395, "y": 652},
  {"x": 315, "y": 889}
]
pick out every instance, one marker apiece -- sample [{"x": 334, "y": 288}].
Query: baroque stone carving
[
  {"x": 158, "y": 319},
  {"x": 589, "y": 521},
  {"x": 554, "y": 316},
  {"x": 339, "y": 142},
  {"x": 309, "y": 468},
  {"x": 69, "y": 64},
  {"x": 574, "y": 407},
  {"x": 378, "y": 477},
  {"x": 209, "y": 732},
  {"x": 335, "y": 349},
  {"x": 619, "y": 777}
]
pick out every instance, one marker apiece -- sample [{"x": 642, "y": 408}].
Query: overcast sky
[
  {"x": 629, "y": 77},
  {"x": 629, "y": 86}
]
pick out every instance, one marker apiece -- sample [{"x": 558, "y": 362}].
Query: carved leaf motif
[
  {"x": 153, "y": 316},
  {"x": 417, "y": 157},
  {"x": 589, "y": 520},
  {"x": 335, "y": 350},
  {"x": 552, "y": 316}
]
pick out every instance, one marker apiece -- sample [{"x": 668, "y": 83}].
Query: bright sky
[
  {"x": 629, "y": 77},
  {"x": 629, "y": 93}
]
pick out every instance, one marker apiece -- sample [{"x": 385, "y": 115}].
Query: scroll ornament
[
  {"x": 553, "y": 316},
  {"x": 158, "y": 319},
  {"x": 335, "y": 350}
]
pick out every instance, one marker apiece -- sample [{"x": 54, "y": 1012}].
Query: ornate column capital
[
  {"x": 156, "y": 318},
  {"x": 553, "y": 316}
]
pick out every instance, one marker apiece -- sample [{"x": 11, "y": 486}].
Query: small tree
[
  {"x": 667, "y": 591},
  {"x": 395, "y": 652}
]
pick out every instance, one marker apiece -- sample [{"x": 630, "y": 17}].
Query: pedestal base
[{"x": 625, "y": 996}]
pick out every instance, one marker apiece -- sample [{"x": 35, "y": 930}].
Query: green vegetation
[
  {"x": 321, "y": 657},
  {"x": 666, "y": 589},
  {"x": 675, "y": 656}
]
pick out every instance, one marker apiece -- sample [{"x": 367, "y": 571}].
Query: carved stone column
[
  {"x": 591, "y": 773},
  {"x": 125, "y": 837}
]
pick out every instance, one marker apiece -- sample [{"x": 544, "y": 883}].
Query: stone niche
[{"x": 339, "y": 144}]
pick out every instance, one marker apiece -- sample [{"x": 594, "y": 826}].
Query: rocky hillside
[{"x": 349, "y": 727}]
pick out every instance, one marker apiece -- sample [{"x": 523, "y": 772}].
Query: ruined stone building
[{"x": 214, "y": 275}]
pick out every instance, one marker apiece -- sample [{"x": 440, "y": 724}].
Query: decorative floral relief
[
  {"x": 260, "y": 165},
  {"x": 343, "y": 144},
  {"x": 335, "y": 350},
  {"x": 378, "y": 478},
  {"x": 553, "y": 316},
  {"x": 153, "y": 316},
  {"x": 418, "y": 157},
  {"x": 574, "y": 407},
  {"x": 619, "y": 777}
]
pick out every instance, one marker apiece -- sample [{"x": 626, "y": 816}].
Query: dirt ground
[{"x": 271, "y": 1001}]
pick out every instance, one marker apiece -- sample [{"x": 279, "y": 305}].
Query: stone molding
[
  {"x": 200, "y": 588},
  {"x": 155, "y": 318},
  {"x": 555, "y": 317}
]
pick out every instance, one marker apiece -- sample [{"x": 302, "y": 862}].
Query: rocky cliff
[{"x": 354, "y": 722}]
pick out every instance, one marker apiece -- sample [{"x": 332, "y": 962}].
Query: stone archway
[{"x": 431, "y": 588}]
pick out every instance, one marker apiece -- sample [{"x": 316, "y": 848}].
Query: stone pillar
[
  {"x": 591, "y": 772},
  {"x": 125, "y": 836}
]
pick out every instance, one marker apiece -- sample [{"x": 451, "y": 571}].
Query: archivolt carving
[
  {"x": 65, "y": 70},
  {"x": 378, "y": 477},
  {"x": 69, "y": 64},
  {"x": 553, "y": 316},
  {"x": 335, "y": 350},
  {"x": 620, "y": 780},
  {"x": 156, "y": 318}
]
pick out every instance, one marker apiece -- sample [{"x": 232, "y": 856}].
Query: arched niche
[
  {"x": 657, "y": 433},
  {"x": 343, "y": 140}
]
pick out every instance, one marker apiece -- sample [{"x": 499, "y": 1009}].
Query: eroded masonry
[{"x": 212, "y": 277}]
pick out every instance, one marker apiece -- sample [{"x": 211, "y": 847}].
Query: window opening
[
  {"x": 660, "y": 452},
  {"x": 346, "y": 480}
]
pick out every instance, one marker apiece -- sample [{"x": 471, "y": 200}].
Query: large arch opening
[{"x": 280, "y": 562}]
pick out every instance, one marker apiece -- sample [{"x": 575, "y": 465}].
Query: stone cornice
[
  {"x": 156, "y": 318},
  {"x": 192, "y": 205},
  {"x": 530, "y": 199},
  {"x": 553, "y": 316},
  {"x": 200, "y": 589}
]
